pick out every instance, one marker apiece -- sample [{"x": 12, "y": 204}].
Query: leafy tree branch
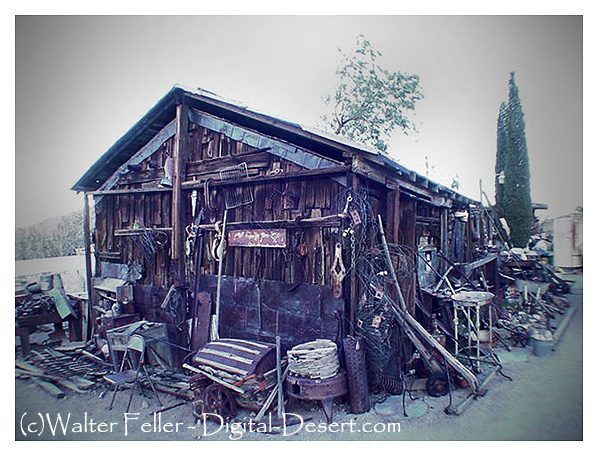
[{"x": 370, "y": 102}]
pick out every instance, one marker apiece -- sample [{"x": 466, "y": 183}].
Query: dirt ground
[{"x": 544, "y": 401}]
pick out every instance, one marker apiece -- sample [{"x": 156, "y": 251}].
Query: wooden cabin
[{"x": 297, "y": 205}]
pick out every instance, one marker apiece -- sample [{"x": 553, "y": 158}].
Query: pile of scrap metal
[
  {"x": 35, "y": 306},
  {"x": 43, "y": 302},
  {"x": 44, "y": 296},
  {"x": 72, "y": 367},
  {"x": 532, "y": 299},
  {"x": 383, "y": 314},
  {"x": 69, "y": 368}
]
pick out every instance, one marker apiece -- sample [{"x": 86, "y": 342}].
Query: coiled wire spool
[{"x": 316, "y": 359}]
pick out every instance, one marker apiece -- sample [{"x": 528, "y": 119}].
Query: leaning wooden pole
[
  {"x": 417, "y": 332},
  {"x": 88, "y": 266},
  {"x": 390, "y": 264}
]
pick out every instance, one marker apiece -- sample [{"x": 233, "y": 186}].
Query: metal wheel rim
[{"x": 218, "y": 400}]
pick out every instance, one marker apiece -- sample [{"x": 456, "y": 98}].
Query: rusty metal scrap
[
  {"x": 43, "y": 304},
  {"x": 58, "y": 364},
  {"x": 317, "y": 389}
]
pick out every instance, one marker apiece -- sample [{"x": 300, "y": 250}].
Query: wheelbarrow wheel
[
  {"x": 437, "y": 385},
  {"x": 219, "y": 400}
]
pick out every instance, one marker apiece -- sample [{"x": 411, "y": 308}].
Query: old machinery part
[
  {"x": 322, "y": 390},
  {"x": 317, "y": 389},
  {"x": 219, "y": 400},
  {"x": 437, "y": 385},
  {"x": 520, "y": 336}
]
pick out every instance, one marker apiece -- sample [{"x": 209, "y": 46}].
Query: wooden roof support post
[
  {"x": 444, "y": 231},
  {"x": 177, "y": 212},
  {"x": 393, "y": 213},
  {"x": 88, "y": 267}
]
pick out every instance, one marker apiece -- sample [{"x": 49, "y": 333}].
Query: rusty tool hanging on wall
[{"x": 338, "y": 271}]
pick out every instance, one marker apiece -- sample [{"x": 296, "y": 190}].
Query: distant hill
[{"x": 54, "y": 237}]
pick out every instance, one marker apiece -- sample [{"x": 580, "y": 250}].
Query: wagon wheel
[
  {"x": 219, "y": 400},
  {"x": 520, "y": 337},
  {"x": 437, "y": 385}
]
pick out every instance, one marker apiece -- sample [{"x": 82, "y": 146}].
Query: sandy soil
[{"x": 542, "y": 402}]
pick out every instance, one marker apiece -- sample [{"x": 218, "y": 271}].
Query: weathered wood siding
[{"x": 209, "y": 154}]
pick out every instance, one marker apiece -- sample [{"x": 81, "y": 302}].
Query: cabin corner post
[
  {"x": 88, "y": 264},
  {"x": 177, "y": 212}
]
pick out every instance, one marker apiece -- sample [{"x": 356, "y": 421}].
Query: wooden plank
[
  {"x": 75, "y": 384},
  {"x": 214, "y": 378},
  {"x": 88, "y": 268},
  {"x": 444, "y": 234},
  {"x": 272, "y": 395},
  {"x": 291, "y": 195},
  {"x": 270, "y": 178},
  {"x": 253, "y": 160},
  {"x": 321, "y": 192},
  {"x": 140, "y": 231},
  {"x": 479, "y": 263},
  {"x": 109, "y": 224},
  {"x": 201, "y": 319},
  {"x": 61, "y": 303},
  {"x": 141, "y": 176},
  {"x": 302, "y": 201},
  {"x": 124, "y": 210},
  {"x": 146, "y": 151},
  {"x": 333, "y": 220},
  {"x": 49, "y": 387},
  {"x": 391, "y": 178},
  {"x": 259, "y": 202}
]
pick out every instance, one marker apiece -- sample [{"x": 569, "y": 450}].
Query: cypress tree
[
  {"x": 500, "y": 158},
  {"x": 514, "y": 202}
]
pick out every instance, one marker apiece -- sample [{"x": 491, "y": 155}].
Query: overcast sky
[{"x": 82, "y": 82}]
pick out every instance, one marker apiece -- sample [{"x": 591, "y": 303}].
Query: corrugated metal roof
[{"x": 327, "y": 144}]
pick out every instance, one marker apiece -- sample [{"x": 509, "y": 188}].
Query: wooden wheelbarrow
[{"x": 230, "y": 373}]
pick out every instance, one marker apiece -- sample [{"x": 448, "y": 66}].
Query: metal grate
[{"x": 240, "y": 195}]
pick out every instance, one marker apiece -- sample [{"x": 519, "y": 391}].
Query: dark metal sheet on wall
[{"x": 259, "y": 309}]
